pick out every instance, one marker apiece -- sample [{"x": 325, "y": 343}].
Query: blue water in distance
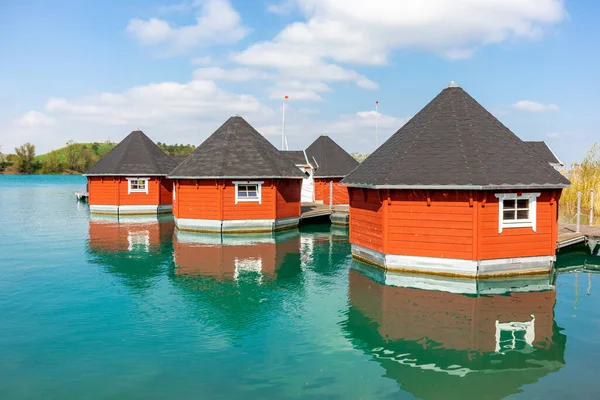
[{"x": 96, "y": 308}]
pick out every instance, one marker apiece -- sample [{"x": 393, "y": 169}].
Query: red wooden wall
[
  {"x": 215, "y": 199},
  {"x": 340, "y": 193},
  {"x": 112, "y": 191},
  {"x": 447, "y": 224}
]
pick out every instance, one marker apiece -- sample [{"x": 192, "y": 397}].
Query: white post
[
  {"x": 591, "y": 207},
  {"x": 283, "y": 124},
  {"x": 578, "y": 211},
  {"x": 330, "y": 195},
  {"x": 376, "y": 124}
]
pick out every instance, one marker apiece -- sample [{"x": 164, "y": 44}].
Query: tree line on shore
[{"x": 73, "y": 158}]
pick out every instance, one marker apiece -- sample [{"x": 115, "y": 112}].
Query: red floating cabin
[
  {"x": 131, "y": 178},
  {"x": 331, "y": 164},
  {"x": 236, "y": 181},
  {"x": 455, "y": 192}
]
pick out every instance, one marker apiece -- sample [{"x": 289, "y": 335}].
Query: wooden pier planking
[
  {"x": 314, "y": 210},
  {"x": 568, "y": 236}
]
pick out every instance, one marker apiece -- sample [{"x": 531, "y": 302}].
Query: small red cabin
[
  {"x": 331, "y": 164},
  {"x": 131, "y": 178},
  {"x": 454, "y": 192},
  {"x": 236, "y": 181}
]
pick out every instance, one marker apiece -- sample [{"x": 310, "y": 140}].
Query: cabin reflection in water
[
  {"x": 133, "y": 248},
  {"x": 236, "y": 256},
  {"x": 485, "y": 344}
]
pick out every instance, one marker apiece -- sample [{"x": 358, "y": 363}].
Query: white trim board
[{"x": 456, "y": 267}]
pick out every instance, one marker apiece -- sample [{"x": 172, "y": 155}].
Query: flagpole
[
  {"x": 283, "y": 138},
  {"x": 376, "y": 124}
]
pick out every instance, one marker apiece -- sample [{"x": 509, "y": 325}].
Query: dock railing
[{"x": 577, "y": 215}]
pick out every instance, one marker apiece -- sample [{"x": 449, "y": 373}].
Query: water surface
[{"x": 101, "y": 308}]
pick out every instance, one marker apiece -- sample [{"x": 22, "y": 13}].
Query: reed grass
[{"x": 584, "y": 176}]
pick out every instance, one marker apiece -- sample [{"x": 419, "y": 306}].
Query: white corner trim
[
  {"x": 130, "y": 190},
  {"x": 258, "y": 198},
  {"x": 524, "y": 223}
]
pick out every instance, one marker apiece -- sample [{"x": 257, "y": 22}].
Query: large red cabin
[
  {"x": 131, "y": 178},
  {"x": 455, "y": 192},
  {"x": 236, "y": 181}
]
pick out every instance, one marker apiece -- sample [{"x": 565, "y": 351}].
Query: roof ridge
[
  {"x": 152, "y": 156},
  {"x": 124, "y": 152}
]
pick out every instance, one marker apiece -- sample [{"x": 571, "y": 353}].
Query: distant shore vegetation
[
  {"x": 74, "y": 158},
  {"x": 584, "y": 177}
]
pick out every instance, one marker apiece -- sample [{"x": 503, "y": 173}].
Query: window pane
[
  {"x": 242, "y": 194},
  {"x": 523, "y": 214},
  {"x": 509, "y": 215},
  {"x": 523, "y": 203},
  {"x": 251, "y": 194},
  {"x": 509, "y": 204}
]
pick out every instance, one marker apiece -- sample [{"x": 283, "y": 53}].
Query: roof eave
[
  {"x": 133, "y": 174},
  {"x": 457, "y": 187},
  {"x": 234, "y": 177}
]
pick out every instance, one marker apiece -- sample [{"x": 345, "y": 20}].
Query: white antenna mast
[
  {"x": 376, "y": 124},
  {"x": 284, "y": 145}
]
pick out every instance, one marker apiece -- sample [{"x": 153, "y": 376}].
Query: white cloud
[
  {"x": 347, "y": 31},
  {"x": 216, "y": 22},
  {"x": 35, "y": 119},
  {"x": 298, "y": 90},
  {"x": 553, "y": 134},
  {"x": 233, "y": 74},
  {"x": 283, "y": 8},
  {"x": 534, "y": 106}
]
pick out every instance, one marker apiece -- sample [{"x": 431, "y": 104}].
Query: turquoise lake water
[{"x": 95, "y": 308}]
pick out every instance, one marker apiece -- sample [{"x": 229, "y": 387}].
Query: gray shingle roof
[
  {"x": 453, "y": 142},
  {"x": 236, "y": 150},
  {"x": 136, "y": 155},
  {"x": 545, "y": 152},
  {"x": 331, "y": 160},
  {"x": 296, "y": 156}
]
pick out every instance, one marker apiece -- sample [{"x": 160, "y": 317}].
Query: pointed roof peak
[
  {"x": 453, "y": 142},
  {"x": 236, "y": 150},
  {"x": 453, "y": 84},
  {"x": 137, "y": 155},
  {"x": 331, "y": 160}
]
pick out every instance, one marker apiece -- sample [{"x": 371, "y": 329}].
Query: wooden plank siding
[
  {"x": 112, "y": 190},
  {"x": 197, "y": 199},
  {"x": 366, "y": 218},
  {"x": 517, "y": 242},
  {"x": 215, "y": 200},
  {"x": 288, "y": 198},
  {"x": 166, "y": 191},
  {"x": 340, "y": 192},
  {"x": 441, "y": 228},
  {"x": 448, "y": 224}
]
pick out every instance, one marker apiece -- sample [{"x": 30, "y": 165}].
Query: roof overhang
[
  {"x": 329, "y": 176},
  {"x": 235, "y": 177},
  {"x": 135, "y": 174},
  {"x": 457, "y": 187}
]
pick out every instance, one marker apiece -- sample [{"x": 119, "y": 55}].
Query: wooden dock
[
  {"x": 338, "y": 213},
  {"x": 567, "y": 235}
]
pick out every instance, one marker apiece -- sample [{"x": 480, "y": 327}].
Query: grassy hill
[{"x": 96, "y": 149}]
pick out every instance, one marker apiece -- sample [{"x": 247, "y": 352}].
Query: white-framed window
[
  {"x": 517, "y": 211},
  {"x": 137, "y": 185},
  {"x": 247, "y": 191}
]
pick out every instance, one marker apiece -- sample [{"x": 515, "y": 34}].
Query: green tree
[
  {"x": 52, "y": 165},
  {"x": 84, "y": 160},
  {"x": 360, "y": 157},
  {"x": 26, "y": 158},
  {"x": 72, "y": 157}
]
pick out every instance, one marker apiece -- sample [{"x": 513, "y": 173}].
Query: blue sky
[{"x": 90, "y": 71}]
